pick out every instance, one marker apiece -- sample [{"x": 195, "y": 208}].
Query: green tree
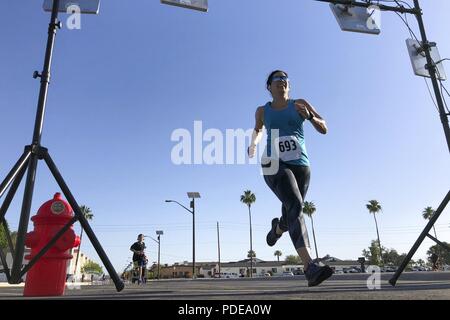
[
  {"x": 293, "y": 260},
  {"x": 443, "y": 254},
  {"x": 248, "y": 198},
  {"x": 4, "y": 229},
  {"x": 3, "y": 239},
  {"x": 427, "y": 214},
  {"x": 390, "y": 256},
  {"x": 91, "y": 267},
  {"x": 421, "y": 263},
  {"x": 374, "y": 207},
  {"x": 87, "y": 213},
  {"x": 309, "y": 209},
  {"x": 251, "y": 254},
  {"x": 278, "y": 254},
  {"x": 373, "y": 254}
]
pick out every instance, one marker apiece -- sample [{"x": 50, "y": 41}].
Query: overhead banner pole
[{"x": 432, "y": 68}]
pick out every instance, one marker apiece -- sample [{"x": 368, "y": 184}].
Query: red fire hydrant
[{"x": 48, "y": 276}]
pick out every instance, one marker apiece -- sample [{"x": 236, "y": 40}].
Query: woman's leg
[
  {"x": 302, "y": 176},
  {"x": 284, "y": 185},
  {"x": 290, "y": 185}
]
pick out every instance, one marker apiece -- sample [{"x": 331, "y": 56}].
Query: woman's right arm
[{"x": 257, "y": 132}]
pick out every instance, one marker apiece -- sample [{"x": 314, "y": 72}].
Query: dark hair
[
  {"x": 269, "y": 79},
  {"x": 140, "y": 235}
]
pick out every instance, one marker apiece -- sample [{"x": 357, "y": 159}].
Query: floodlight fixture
[
  {"x": 193, "y": 195},
  {"x": 159, "y": 232},
  {"x": 419, "y": 60},
  {"x": 357, "y": 19},
  {"x": 85, "y": 6},
  {"x": 200, "y": 5}
]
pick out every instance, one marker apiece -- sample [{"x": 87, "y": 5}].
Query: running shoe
[
  {"x": 316, "y": 274},
  {"x": 272, "y": 236}
]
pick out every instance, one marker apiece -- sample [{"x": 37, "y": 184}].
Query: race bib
[{"x": 288, "y": 148}]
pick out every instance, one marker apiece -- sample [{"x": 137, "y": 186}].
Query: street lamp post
[
  {"x": 193, "y": 237},
  {"x": 218, "y": 246},
  {"x": 158, "y": 233},
  {"x": 193, "y": 196}
]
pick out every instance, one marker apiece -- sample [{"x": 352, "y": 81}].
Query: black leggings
[{"x": 290, "y": 185}]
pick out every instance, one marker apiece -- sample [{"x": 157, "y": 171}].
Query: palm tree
[
  {"x": 427, "y": 214},
  {"x": 374, "y": 207},
  {"x": 248, "y": 198},
  {"x": 309, "y": 208},
  {"x": 278, "y": 254},
  {"x": 251, "y": 254},
  {"x": 87, "y": 213}
]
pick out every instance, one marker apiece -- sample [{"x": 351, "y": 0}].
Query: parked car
[
  {"x": 267, "y": 274},
  {"x": 389, "y": 269},
  {"x": 288, "y": 274},
  {"x": 226, "y": 275},
  {"x": 352, "y": 270},
  {"x": 419, "y": 269},
  {"x": 298, "y": 272}
]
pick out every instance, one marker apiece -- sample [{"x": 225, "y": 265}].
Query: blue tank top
[{"x": 290, "y": 145}]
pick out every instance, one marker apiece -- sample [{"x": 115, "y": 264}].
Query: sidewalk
[
  {"x": 7, "y": 285},
  {"x": 77, "y": 284}
]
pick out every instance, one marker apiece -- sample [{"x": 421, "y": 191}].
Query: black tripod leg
[
  {"x": 24, "y": 219},
  {"x": 84, "y": 224},
  {"x": 11, "y": 193},
  {"x": 14, "y": 171},
  {"x": 419, "y": 241}
]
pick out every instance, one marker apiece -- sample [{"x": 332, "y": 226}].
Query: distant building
[
  {"x": 82, "y": 260},
  {"x": 242, "y": 268},
  {"x": 184, "y": 270}
]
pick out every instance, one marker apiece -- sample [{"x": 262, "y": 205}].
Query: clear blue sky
[{"x": 140, "y": 70}]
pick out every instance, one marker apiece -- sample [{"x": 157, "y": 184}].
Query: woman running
[{"x": 283, "y": 119}]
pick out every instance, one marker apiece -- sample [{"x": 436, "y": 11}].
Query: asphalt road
[{"x": 411, "y": 286}]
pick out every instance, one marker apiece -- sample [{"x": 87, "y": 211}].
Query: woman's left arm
[{"x": 309, "y": 113}]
